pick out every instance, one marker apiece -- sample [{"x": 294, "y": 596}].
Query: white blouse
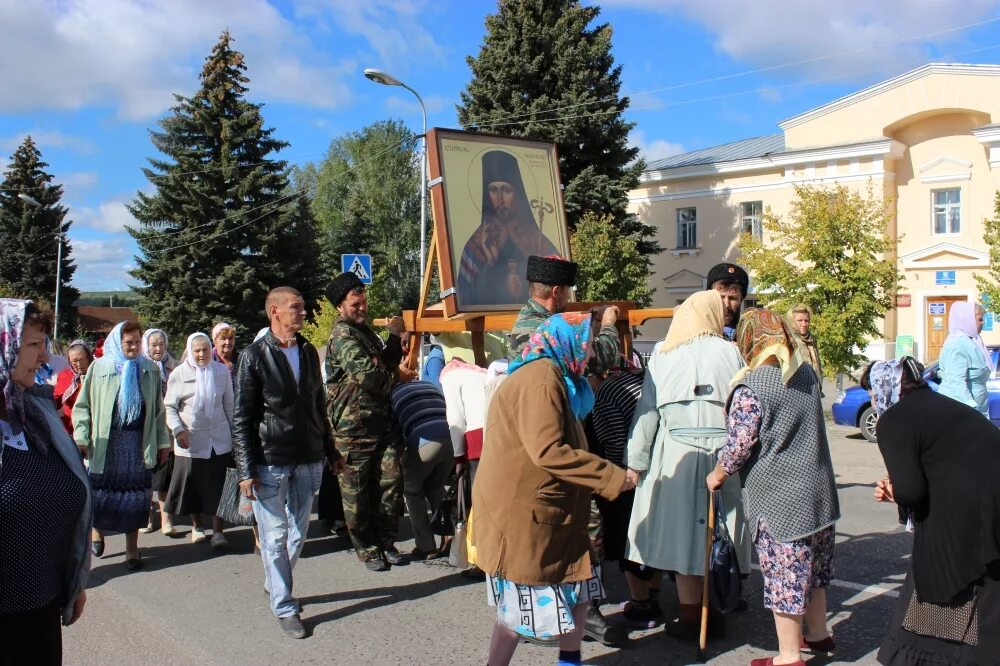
[{"x": 206, "y": 435}]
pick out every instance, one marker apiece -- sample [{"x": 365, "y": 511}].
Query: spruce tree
[
  {"x": 543, "y": 73},
  {"x": 223, "y": 226},
  {"x": 31, "y": 235}
]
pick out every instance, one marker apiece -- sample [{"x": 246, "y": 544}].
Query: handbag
[
  {"x": 442, "y": 523},
  {"x": 234, "y": 508},
  {"x": 458, "y": 555},
  {"x": 725, "y": 581}
]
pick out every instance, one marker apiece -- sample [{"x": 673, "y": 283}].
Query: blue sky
[{"x": 89, "y": 78}]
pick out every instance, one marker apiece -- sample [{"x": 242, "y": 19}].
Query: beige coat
[{"x": 531, "y": 498}]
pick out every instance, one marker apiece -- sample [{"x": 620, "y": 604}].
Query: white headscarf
[{"x": 205, "y": 392}]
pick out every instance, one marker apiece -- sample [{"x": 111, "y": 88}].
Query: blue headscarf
[
  {"x": 564, "y": 340},
  {"x": 130, "y": 390}
]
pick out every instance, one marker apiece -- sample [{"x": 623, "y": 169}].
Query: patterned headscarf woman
[
  {"x": 886, "y": 380},
  {"x": 12, "y": 313},
  {"x": 762, "y": 335},
  {"x": 564, "y": 339},
  {"x": 130, "y": 389},
  {"x": 205, "y": 391},
  {"x": 701, "y": 314},
  {"x": 162, "y": 363},
  {"x": 77, "y": 380}
]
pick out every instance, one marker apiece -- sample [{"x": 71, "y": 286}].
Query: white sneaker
[
  {"x": 219, "y": 541},
  {"x": 198, "y": 535}
]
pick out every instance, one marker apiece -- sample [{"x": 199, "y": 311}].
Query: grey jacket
[{"x": 78, "y": 560}]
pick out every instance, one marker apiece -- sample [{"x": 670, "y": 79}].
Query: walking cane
[{"x": 709, "y": 538}]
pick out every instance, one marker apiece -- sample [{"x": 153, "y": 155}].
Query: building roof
[
  {"x": 94, "y": 319},
  {"x": 737, "y": 150}
]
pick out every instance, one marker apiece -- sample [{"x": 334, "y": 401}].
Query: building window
[
  {"x": 948, "y": 211},
  {"x": 687, "y": 228},
  {"x": 750, "y": 212}
]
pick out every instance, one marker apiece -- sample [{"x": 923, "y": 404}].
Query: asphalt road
[{"x": 192, "y": 606}]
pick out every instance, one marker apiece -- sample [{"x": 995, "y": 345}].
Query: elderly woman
[
  {"x": 70, "y": 380},
  {"x": 120, "y": 427},
  {"x": 224, "y": 339},
  {"x": 678, "y": 428},
  {"x": 943, "y": 462},
  {"x": 199, "y": 406},
  {"x": 777, "y": 443},
  {"x": 45, "y": 508},
  {"x": 965, "y": 363},
  {"x": 154, "y": 347},
  {"x": 532, "y": 493}
]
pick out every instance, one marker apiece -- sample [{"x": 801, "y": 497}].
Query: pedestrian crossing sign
[{"x": 359, "y": 264}]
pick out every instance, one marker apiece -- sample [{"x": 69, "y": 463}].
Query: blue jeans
[{"x": 284, "y": 502}]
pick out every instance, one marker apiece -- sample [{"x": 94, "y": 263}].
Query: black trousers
[{"x": 31, "y": 637}]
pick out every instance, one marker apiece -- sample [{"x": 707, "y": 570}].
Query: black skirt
[
  {"x": 197, "y": 484},
  {"x": 905, "y": 648},
  {"x": 162, "y": 474}
]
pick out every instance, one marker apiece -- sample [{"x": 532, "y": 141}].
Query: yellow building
[{"x": 925, "y": 139}]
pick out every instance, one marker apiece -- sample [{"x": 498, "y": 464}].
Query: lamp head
[
  {"x": 378, "y": 76},
  {"x": 31, "y": 201}
]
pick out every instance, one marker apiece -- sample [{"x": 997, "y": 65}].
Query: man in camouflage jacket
[{"x": 360, "y": 373}]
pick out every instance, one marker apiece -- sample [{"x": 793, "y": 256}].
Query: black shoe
[
  {"x": 376, "y": 563},
  {"x": 394, "y": 557},
  {"x": 598, "y": 629},
  {"x": 292, "y": 626},
  {"x": 649, "y": 616},
  {"x": 97, "y": 547},
  {"x": 133, "y": 563}
]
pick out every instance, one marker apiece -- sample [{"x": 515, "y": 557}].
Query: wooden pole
[{"x": 709, "y": 538}]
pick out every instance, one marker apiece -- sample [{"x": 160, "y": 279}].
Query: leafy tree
[
  {"x": 543, "y": 73},
  {"x": 611, "y": 266},
  {"x": 989, "y": 285},
  {"x": 30, "y": 235},
  {"x": 832, "y": 252},
  {"x": 223, "y": 225},
  {"x": 368, "y": 201}
]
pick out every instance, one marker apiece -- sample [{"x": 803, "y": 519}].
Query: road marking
[{"x": 870, "y": 590}]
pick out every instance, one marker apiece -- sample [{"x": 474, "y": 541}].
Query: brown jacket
[{"x": 532, "y": 492}]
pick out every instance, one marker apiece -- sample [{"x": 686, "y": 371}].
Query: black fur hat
[
  {"x": 342, "y": 285},
  {"x": 729, "y": 273},
  {"x": 553, "y": 271}
]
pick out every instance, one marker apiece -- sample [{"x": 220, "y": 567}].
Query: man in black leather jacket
[{"x": 281, "y": 438}]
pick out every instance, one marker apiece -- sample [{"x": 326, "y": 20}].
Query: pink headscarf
[{"x": 962, "y": 321}]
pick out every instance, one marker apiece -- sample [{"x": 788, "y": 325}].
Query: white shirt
[
  {"x": 292, "y": 354},
  {"x": 465, "y": 401},
  {"x": 205, "y": 436}
]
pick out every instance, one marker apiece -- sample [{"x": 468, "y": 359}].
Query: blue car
[{"x": 853, "y": 406}]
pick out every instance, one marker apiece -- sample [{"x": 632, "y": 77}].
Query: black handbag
[
  {"x": 234, "y": 508},
  {"x": 442, "y": 521},
  {"x": 725, "y": 581}
]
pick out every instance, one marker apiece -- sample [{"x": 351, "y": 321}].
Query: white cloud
[
  {"x": 655, "y": 149},
  {"x": 102, "y": 264},
  {"x": 134, "y": 54},
  {"x": 404, "y": 105},
  {"x": 45, "y": 139},
  {"x": 77, "y": 181},
  {"x": 775, "y": 32},
  {"x": 110, "y": 216}
]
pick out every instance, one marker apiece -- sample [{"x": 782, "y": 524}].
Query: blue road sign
[{"x": 359, "y": 264}]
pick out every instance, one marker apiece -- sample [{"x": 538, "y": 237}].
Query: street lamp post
[
  {"x": 386, "y": 79},
  {"x": 31, "y": 201}
]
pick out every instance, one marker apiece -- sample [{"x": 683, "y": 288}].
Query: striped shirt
[
  {"x": 614, "y": 405},
  {"x": 419, "y": 408}
]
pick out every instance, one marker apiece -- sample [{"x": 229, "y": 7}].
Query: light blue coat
[{"x": 964, "y": 373}]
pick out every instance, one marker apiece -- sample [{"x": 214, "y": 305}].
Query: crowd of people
[{"x": 576, "y": 456}]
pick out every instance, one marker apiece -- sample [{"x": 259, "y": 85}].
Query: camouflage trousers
[
  {"x": 595, "y": 530},
  {"x": 372, "y": 489}
]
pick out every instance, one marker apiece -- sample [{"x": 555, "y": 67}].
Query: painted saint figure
[{"x": 495, "y": 258}]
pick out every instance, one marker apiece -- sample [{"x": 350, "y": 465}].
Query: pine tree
[
  {"x": 544, "y": 74},
  {"x": 223, "y": 226},
  {"x": 31, "y": 235}
]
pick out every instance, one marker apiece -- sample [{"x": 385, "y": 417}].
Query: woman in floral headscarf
[
  {"x": 943, "y": 460},
  {"x": 45, "y": 508},
  {"x": 532, "y": 493},
  {"x": 119, "y": 426},
  {"x": 155, "y": 348},
  {"x": 777, "y": 443}
]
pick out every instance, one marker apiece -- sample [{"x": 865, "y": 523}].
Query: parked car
[{"x": 853, "y": 406}]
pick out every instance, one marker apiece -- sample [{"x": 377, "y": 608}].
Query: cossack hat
[
  {"x": 342, "y": 285},
  {"x": 729, "y": 273},
  {"x": 552, "y": 270}
]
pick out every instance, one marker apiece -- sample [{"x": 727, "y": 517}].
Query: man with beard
[
  {"x": 495, "y": 257},
  {"x": 732, "y": 283}
]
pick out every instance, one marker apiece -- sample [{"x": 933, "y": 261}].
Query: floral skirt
[
  {"x": 793, "y": 569},
  {"x": 541, "y": 611}
]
